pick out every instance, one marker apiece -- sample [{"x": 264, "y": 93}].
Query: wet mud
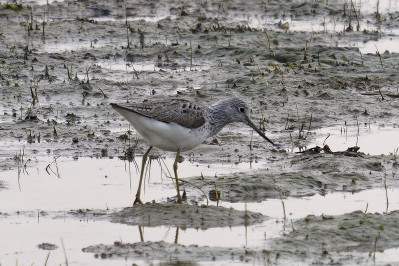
[
  {"x": 185, "y": 216},
  {"x": 171, "y": 252},
  {"x": 177, "y": 215},
  {"x": 62, "y": 64},
  {"x": 351, "y": 238},
  {"x": 304, "y": 175}
]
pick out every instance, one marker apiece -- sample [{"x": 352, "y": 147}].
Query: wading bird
[{"x": 179, "y": 125}]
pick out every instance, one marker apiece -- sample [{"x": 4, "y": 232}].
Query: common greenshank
[{"x": 179, "y": 125}]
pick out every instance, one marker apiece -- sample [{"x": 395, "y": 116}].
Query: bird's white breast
[{"x": 166, "y": 136}]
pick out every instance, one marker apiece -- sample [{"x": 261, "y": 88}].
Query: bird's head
[{"x": 238, "y": 111}]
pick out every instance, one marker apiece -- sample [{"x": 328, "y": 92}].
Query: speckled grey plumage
[{"x": 204, "y": 121}]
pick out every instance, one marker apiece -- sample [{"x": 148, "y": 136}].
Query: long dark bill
[{"x": 251, "y": 124}]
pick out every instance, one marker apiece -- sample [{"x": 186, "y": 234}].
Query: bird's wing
[{"x": 182, "y": 112}]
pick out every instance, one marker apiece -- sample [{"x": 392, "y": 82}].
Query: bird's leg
[
  {"x": 176, "y": 178},
  {"x": 145, "y": 156}
]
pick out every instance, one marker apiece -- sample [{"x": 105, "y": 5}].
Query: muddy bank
[
  {"x": 185, "y": 216},
  {"x": 349, "y": 238},
  {"x": 177, "y": 215},
  {"x": 170, "y": 253},
  {"x": 304, "y": 175}
]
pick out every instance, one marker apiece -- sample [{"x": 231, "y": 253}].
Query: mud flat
[{"x": 320, "y": 78}]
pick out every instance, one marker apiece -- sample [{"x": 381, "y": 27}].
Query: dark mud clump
[
  {"x": 172, "y": 252},
  {"x": 327, "y": 239},
  {"x": 185, "y": 216},
  {"x": 47, "y": 246}
]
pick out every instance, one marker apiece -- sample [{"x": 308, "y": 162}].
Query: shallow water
[
  {"x": 37, "y": 208},
  {"x": 373, "y": 140},
  {"x": 95, "y": 183}
]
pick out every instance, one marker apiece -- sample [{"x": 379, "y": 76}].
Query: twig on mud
[
  {"x": 292, "y": 225},
  {"x": 63, "y": 248},
  {"x": 357, "y": 14},
  {"x": 246, "y": 212},
  {"x": 125, "y": 14},
  {"x": 217, "y": 194},
  {"x": 286, "y": 122},
  {"x": 379, "y": 55},
  {"x": 357, "y": 124},
  {"x": 250, "y": 141},
  {"x": 184, "y": 181},
  {"x": 260, "y": 76},
  {"x": 282, "y": 202},
  {"x": 375, "y": 246},
  {"x": 141, "y": 232},
  {"x": 297, "y": 116},
  {"x": 177, "y": 235},
  {"x": 33, "y": 92},
  {"x": 262, "y": 123},
  {"x": 87, "y": 74},
  {"x": 305, "y": 55},
  {"x": 48, "y": 167},
  {"x": 105, "y": 95},
  {"x": 361, "y": 57},
  {"x": 69, "y": 72},
  {"x": 292, "y": 141},
  {"x": 382, "y": 97},
  {"x": 318, "y": 58},
  {"x": 127, "y": 37},
  {"x": 268, "y": 40},
  {"x": 55, "y": 132},
  {"x": 20, "y": 159},
  {"x": 326, "y": 139},
  {"x": 377, "y": 14},
  {"x": 167, "y": 169},
  {"x": 194, "y": 185},
  {"x": 135, "y": 73},
  {"x": 191, "y": 57},
  {"x": 392, "y": 95},
  {"x": 48, "y": 255},
  {"x": 142, "y": 38},
  {"x": 395, "y": 154},
  {"x": 282, "y": 78},
  {"x": 302, "y": 125},
  {"x": 281, "y": 198},
  {"x": 43, "y": 34},
  {"x": 386, "y": 190},
  {"x": 310, "y": 124},
  {"x": 275, "y": 42}
]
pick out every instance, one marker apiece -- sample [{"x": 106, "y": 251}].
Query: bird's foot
[{"x": 137, "y": 201}]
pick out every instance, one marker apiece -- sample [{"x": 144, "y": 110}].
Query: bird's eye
[{"x": 241, "y": 109}]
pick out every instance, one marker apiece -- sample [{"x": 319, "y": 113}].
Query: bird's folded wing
[{"x": 182, "y": 112}]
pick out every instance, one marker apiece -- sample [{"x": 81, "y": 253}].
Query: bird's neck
[{"x": 218, "y": 118}]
